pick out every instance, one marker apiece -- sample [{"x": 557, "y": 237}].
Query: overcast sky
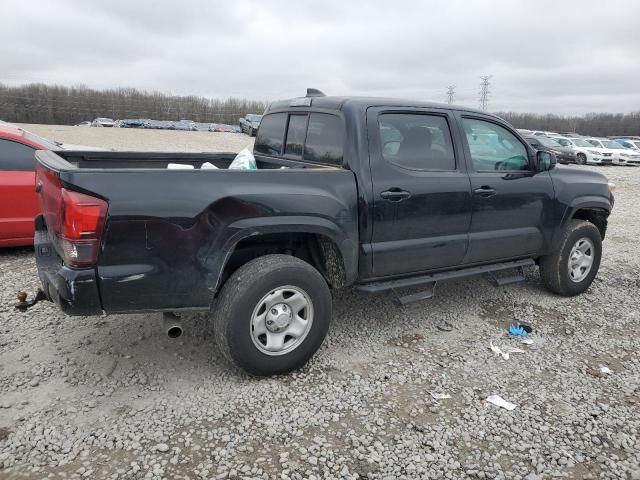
[{"x": 556, "y": 56}]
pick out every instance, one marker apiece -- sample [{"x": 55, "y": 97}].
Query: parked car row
[
  {"x": 570, "y": 147},
  {"x": 183, "y": 125}
]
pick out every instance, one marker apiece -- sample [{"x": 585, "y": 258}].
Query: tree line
[
  {"x": 55, "y": 104},
  {"x": 592, "y": 124}
]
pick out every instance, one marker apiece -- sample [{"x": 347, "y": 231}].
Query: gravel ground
[
  {"x": 143, "y": 140},
  {"x": 113, "y": 397}
]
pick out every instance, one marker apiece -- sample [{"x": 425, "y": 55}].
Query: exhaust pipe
[{"x": 172, "y": 324}]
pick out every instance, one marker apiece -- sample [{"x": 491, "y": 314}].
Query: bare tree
[
  {"x": 596, "y": 124},
  {"x": 39, "y": 103}
]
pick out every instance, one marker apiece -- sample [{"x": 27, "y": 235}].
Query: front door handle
[
  {"x": 395, "y": 195},
  {"x": 485, "y": 191}
]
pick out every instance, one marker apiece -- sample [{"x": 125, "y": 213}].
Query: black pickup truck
[{"x": 375, "y": 193}]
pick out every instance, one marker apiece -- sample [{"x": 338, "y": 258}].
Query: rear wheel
[
  {"x": 581, "y": 158},
  {"x": 272, "y": 315},
  {"x": 571, "y": 270}
]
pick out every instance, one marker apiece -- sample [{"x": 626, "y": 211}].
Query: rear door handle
[
  {"x": 485, "y": 191},
  {"x": 395, "y": 195}
]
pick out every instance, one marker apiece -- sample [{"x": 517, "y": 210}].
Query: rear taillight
[
  {"x": 75, "y": 220},
  {"x": 83, "y": 219}
]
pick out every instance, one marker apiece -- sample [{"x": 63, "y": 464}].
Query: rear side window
[
  {"x": 295, "y": 135},
  {"x": 271, "y": 134},
  {"x": 16, "y": 156},
  {"x": 417, "y": 141},
  {"x": 324, "y": 139}
]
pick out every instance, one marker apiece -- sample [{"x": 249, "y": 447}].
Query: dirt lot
[
  {"x": 113, "y": 397},
  {"x": 143, "y": 140}
]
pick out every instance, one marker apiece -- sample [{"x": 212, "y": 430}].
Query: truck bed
[
  {"x": 169, "y": 233},
  {"x": 70, "y": 160}
]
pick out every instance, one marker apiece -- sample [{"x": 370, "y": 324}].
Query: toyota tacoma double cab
[{"x": 370, "y": 193}]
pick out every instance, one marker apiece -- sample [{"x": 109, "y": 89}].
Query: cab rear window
[
  {"x": 271, "y": 134},
  {"x": 315, "y": 137}
]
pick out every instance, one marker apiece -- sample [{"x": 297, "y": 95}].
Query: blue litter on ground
[{"x": 517, "y": 330}]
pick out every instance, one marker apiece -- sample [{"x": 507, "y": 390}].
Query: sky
[{"x": 562, "y": 56}]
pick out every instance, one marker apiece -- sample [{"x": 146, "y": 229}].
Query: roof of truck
[{"x": 342, "y": 103}]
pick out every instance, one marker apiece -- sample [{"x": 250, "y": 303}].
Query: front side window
[
  {"x": 295, "y": 135},
  {"x": 324, "y": 139},
  {"x": 416, "y": 141},
  {"x": 271, "y": 134},
  {"x": 16, "y": 156},
  {"x": 493, "y": 147}
]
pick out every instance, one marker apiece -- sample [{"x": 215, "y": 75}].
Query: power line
[
  {"x": 451, "y": 93},
  {"x": 484, "y": 91}
]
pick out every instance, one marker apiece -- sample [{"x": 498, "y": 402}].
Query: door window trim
[
  {"x": 467, "y": 150},
  {"x": 374, "y": 140},
  {"x": 423, "y": 113}
]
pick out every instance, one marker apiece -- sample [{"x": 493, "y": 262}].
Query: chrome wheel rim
[
  {"x": 581, "y": 259},
  {"x": 281, "y": 320}
]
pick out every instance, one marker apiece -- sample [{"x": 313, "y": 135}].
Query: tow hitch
[{"x": 23, "y": 304}]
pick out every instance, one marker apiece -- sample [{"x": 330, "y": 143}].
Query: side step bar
[{"x": 430, "y": 280}]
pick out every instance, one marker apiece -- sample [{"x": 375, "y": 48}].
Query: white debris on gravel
[{"x": 112, "y": 397}]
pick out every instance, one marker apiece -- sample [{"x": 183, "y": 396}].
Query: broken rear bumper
[{"x": 75, "y": 291}]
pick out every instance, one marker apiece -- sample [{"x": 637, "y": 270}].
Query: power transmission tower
[
  {"x": 484, "y": 91},
  {"x": 451, "y": 93}
]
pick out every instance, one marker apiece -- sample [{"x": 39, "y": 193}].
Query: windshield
[
  {"x": 637, "y": 144},
  {"x": 614, "y": 145},
  {"x": 548, "y": 142},
  {"x": 578, "y": 142},
  {"x": 47, "y": 144},
  {"x": 254, "y": 118}
]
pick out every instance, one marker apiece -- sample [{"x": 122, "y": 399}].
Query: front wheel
[
  {"x": 581, "y": 159},
  {"x": 573, "y": 267},
  {"x": 272, "y": 315}
]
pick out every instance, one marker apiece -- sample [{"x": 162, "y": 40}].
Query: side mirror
[{"x": 545, "y": 161}]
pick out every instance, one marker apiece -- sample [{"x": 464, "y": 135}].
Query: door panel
[
  {"x": 421, "y": 192},
  {"x": 510, "y": 223},
  {"x": 18, "y": 204},
  {"x": 512, "y": 204},
  {"x": 18, "y": 200}
]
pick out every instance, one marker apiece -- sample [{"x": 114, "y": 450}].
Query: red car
[{"x": 18, "y": 200}]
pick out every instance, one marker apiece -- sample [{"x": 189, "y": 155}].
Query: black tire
[
  {"x": 581, "y": 159},
  {"x": 554, "y": 268},
  {"x": 252, "y": 133},
  {"x": 241, "y": 294}
]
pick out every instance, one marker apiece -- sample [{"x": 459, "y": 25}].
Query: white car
[
  {"x": 585, "y": 151},
  {"x": 620, "y": 155},
  {"x": 543, "y": 133},
  {"x": 103, "y": 122},
  {"x": 630, "y": 143}
]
